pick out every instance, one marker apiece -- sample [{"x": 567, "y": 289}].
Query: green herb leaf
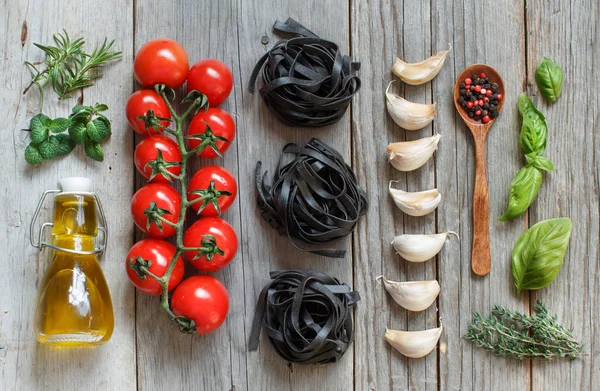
[
  {"x": 102, "y": 127},
  {"x": 100, "y": 107},
  {"x": 539, "y": 253},
  {"x": 33, "y": 155},
  {"x": 540, "y": 162},
  {"x": 94, "y": 150},
  {"x": 85, "y": 109},
  {"x": 549, "y": 78},
  {"x": 39, "y": 128},
  {"x": 77, "y": 131},
  {"x": 534, "y": 130},
  {"x": 59, "y": 125},
  {"x": 50, "y": 149},
  {"x": 65, "y": 144},
  {"x": 92, "y": 131},
  {"x": 523, "y": 190}
]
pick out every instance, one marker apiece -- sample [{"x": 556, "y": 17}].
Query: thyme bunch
[
  {"x": 521, "y": 336},
  {"x": 68, "y": 67}
]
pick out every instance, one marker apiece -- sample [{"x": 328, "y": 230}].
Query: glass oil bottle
[{"x": 74, "y": 306}]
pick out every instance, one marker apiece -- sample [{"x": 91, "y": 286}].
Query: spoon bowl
[{"x": 481, "y": 261}]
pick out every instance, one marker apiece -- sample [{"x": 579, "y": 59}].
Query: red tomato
[
  {"x": 161, "y": 61},
  {"x": 138, "y": 105},
  {"x": 222, "y": 128},
  {"x": 214, "y": 183},
  {"x": 158, "y": 254},
  {"x": 202, "y": 299},
  {"x": 165, "y": 201},
  {"x": 211, "y": 77},
  {"x": 215, "y": 235},
  {"x": 147, "y": 151}
]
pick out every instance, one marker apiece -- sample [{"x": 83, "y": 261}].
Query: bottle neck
[{"x": 75, "y": 221}]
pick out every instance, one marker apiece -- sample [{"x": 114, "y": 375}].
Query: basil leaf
[
  {"x": 549, "y": 78},
  {"x": 534, "y": 130},
  {"x": 540, "y": 162},
  {"x": 523, "y": 190},
  {"x": 539, "y": 253}
]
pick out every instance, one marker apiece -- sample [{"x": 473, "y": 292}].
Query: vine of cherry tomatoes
[{"x": 156, "y": 207}]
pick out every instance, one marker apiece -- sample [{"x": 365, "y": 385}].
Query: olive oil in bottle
[{"x": 74, "y": 306}]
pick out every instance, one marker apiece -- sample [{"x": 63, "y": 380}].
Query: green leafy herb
[
  {"x": 539, "y": 253},
  {"x": 49, "y": 139},
  {"x": 68, "y": 65},
  {"x": 521, "y": 336},
  {"x": 549, "y": 78},
  {"x": 526, "y": 184}
]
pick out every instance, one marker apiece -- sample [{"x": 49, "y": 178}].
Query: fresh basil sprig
[
  {"x": 527, "y": 182},
  {"x": 49, "y": 139},
  {"x": 549, "y": 78},
  {"x": 539, "y": 253}
]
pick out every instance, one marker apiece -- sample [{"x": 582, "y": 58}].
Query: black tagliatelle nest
[
  {"x": 313, "y": 199},
  {"x": 307, "y": 81},
  {"x": 307, "y": 316}
]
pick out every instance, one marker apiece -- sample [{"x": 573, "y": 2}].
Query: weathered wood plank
[
  {"x": 261, "y": 138},
  {"x": 479, "y": 32},
  {"x": 568, "y": 33},
  {"x": 25, "y": 364},
  {"x": 167, "y": 358},
  {"x": 380, "y": 33}
]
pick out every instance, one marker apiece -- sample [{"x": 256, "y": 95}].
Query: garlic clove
[
  {"x": 412, "y": 295},
  {"x": 420, "y": 248},
  {"x": 414, "y": 344},
  {"x": 415, "y": 204},
  {"x": 410, "y": 155},
  {"x": 408, "y": 115},
  {"x": 420, "y": 72}
]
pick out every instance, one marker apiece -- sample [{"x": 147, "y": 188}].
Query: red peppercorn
[
  {"x": 478, "y": 112},
  {"x": 477, "y": 88},
  {"x": 499, "y": 96},
  {"x": 470, "y": 105},
  {"x": 488, "y": 92},
  {"x": 483, "y": 91},
  {"x": 468, "y": 80},
  {"x": 486, "y": 99},
  {"x": 482, "y": 75},
  {"x": 480, "y": 102},
  {"x": 486, "y": 119}
]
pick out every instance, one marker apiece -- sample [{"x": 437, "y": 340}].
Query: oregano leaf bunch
[{"x": 53, "y": 138}]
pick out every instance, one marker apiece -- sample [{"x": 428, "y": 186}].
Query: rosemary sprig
[
  {"x": 68, "y": 66},
  {"x": 517, "y": 335}
]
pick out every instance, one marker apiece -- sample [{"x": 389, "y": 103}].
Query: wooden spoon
[{"x": 481, "y": 260}]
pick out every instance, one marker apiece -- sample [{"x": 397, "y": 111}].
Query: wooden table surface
[{"x": 147, "y": 353}]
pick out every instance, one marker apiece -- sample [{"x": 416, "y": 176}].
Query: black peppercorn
[
  {"x": 462, "y": 85},
  {"x": 470, "y": 113}
]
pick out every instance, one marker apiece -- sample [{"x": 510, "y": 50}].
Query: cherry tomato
[
  {"x": 217, "y": 237},
  {"x": 164, "y": 200},
  {"x": 211, "y": 77},
  {"x": 156, "y": 255},
  {"x": 213, "y": 183},
  {"x": 146, "y": 153},
  {"x": 222, "y": 127},
  {"x": 202, "y": 299},
  {"x": 138, "y": 105},
  {"x": 161, "y": 61}
]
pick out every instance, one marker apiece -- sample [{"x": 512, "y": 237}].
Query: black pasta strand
[
  {"x": 307, "y": 316},
  {"x": 307, "y": 81},
  {"x": 313, "y": 199}
]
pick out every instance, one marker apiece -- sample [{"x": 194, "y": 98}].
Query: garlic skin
[
  {"x": 420, "y": 72},
  {"x": 408, "y": 115},
  {"x": 420, "y": 248},
  {"x": 410, "y": 155},
  {"x": 413, "y": 295},
  {"x": 414, "y": 344},
  {"x": 416, "y": 204}
]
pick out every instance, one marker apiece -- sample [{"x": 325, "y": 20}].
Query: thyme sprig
[
  {"x": 68, "y": 67},
  {"x": 521, "y": 336}
]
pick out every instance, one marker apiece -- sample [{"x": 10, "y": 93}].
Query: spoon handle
[{"x": 481, "y": 260}]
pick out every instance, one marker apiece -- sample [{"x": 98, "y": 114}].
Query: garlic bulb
[
  {"x": 415, "y": 204},
  {"x": 420, "y": 72},
  {"x": 412, "y": 295},
  {"x": 408, "y": 115},
  {"x": 410, "y": 155},
  {"x": 414, "y": 344},
  {"x": 419, "y": 248}
]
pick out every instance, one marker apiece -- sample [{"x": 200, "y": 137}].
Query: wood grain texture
[
  {"x": 568, "y": 34},
  {"x": 25, "y": 364}
]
